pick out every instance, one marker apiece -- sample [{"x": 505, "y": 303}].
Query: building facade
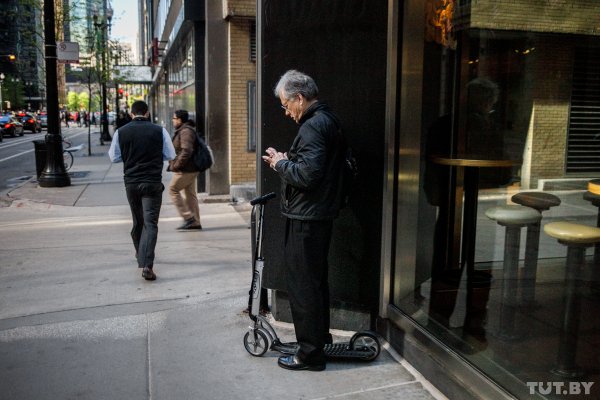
[
  {"x": 465, "y": 116},
  {"x": 466, "y": 282},
  {"x": 203, "y": 61}
]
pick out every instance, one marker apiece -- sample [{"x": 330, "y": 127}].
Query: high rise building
[{"x": 21, "y": 57}]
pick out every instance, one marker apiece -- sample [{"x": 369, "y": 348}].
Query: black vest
[{"x": 141, "y": 144}]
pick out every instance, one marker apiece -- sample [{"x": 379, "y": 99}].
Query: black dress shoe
[
  {"x": 148, "y": 274},
  {"x": 295, "y": 364}
]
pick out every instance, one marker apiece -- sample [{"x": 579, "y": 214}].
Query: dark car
[
  {"x": 43, "y": 118},
  {"x": 31, "y": 123},
  {"x": 9, "y": 125}
]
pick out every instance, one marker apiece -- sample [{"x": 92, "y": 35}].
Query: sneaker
[{"x": 190, "y": 224}]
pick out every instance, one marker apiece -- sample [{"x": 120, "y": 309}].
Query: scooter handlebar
[{"x": 263, "y": 199}]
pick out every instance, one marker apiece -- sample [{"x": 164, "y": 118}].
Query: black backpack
[
  {"x": 350, "y": 169},
  {"x": 203, "y": 156}
]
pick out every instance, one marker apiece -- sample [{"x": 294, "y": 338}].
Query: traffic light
[
  {"x": 12, "y": 57},
  {"x": 120, "y": 92}
]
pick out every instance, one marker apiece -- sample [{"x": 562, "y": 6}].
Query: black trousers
[
  {"x": 145, "y": 200},
  {"x": 306, "y": 249}
]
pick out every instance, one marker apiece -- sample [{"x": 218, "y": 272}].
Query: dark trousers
[
  {"x": 306, "y": 249},
  {"x": 144, "y": 200}
]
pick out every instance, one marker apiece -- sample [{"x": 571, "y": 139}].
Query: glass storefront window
[
  {"x": 510, "y": 107},
  {"x": 179, "y": 86}
]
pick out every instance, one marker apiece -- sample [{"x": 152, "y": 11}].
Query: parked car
[
  {"x": 9, "y": 125},
  {"x": 43, "y": 118},
  {"x": 31, "y": 123},
  {"x": 110, "y": 115}
]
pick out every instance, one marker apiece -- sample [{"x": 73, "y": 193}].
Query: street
[{"x": 17, "y": 158}]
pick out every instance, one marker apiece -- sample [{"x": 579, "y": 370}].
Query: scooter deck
[{"x": 334, "y": 350}]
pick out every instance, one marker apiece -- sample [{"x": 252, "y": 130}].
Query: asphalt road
[{"x": 17, "y": 157}]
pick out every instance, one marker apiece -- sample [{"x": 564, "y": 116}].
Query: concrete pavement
[{"x": 78, "y": 321}]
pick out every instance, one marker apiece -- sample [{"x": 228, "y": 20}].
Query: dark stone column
[
  {"x": 216, "y": 118},
  {"x": 342, "y": 44}
]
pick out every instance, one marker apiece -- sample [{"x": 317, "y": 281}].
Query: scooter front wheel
[
  {"x": 366, "y": 342},
  {"x": 256, "y": 342}
]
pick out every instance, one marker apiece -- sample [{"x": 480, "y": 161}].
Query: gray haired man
[{"x": 310, "y": 174}]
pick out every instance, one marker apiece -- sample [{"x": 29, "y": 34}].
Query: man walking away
[{"x": 142, "y": 147}]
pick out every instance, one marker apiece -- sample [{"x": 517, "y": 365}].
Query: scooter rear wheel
[
  {"x": 256, "y": 342},
  {"x": 366, "y": 342}
]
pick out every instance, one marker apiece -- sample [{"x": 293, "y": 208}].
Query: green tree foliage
[
  {"x": 84, "y": 99},
  {"x": 72, "y": 101},
  {"x": 13, "y": 92}
]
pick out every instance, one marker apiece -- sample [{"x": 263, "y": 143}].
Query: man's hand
[{"x": 273, "y": 156}]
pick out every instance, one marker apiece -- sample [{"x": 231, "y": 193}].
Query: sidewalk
[{"x": 78, "y": 321}]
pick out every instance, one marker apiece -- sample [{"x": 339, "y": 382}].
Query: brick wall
[
  {"x": 552, "y": 75},
  {"x": 558, "y": 16},
  {"x": 240, "y": 8},
  {"x": 243, "y": 162}
]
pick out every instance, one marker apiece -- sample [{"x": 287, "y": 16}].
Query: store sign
[
  {"x": 132, "y": 73},
  {"x": 67, "y": 52}
]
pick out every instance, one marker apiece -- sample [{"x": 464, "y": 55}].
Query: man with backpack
[{"x": 185, "y": 172}]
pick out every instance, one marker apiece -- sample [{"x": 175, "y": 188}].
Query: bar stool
[
  {"x": 577, "y": 238},
  {"x": 513, "y": 218},
  {"x": 593, "y": 196},
  {"x": 542, "y": 202}
]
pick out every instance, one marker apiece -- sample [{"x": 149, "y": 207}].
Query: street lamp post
[
  {"x": 103, "y": 26},
  {"x": 2, "y": 76},
  {"x": 86, "y": 63},
  {"x": 28, "y": 89},
  {"x": 54, "y": 173}
]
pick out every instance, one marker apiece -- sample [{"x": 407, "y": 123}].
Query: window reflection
[{"x": 519, "y": 96}]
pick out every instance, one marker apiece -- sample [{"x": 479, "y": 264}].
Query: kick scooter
[{"x": 261, "y": 336}]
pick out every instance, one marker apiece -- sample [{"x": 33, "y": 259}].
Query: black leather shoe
[
  {"x": 295, "y": 364},
  {"x": 148, "y": 274}
]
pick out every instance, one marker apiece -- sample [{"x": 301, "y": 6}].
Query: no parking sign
[{"x": 67, "y": 52}]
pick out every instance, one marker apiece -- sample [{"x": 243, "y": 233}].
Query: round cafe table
[{"x": 469, "y": 169}]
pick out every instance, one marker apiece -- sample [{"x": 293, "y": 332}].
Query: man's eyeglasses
[{"x": 285, "y": 106}]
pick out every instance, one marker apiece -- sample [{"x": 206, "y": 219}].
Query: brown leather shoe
[
  {"x": 148, "y": 274},
  {"x": 190, "y": 224}
]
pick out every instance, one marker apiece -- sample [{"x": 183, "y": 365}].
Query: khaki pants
[{"x": 187, "y": 205}]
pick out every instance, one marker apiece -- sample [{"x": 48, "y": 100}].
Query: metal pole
[
  {"x": 105, "y": 135},
  {"x": 89, "y": 117},
  {"x": 116, "y": 100},
  {"x": 1, "y": 103},
  {"x": 54, "y": 173}
]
